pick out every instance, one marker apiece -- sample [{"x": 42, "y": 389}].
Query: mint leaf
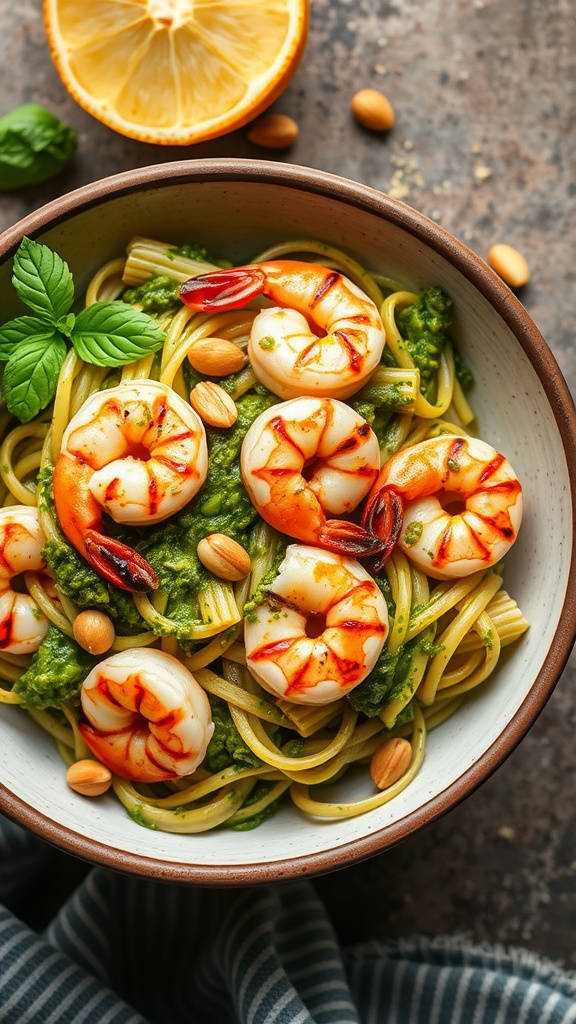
[
  {"x": 43, "y": 280},
  {"x": 113, "y": 334},
  {"x": 15, "y": 331},
  {"x": 31, "y": 375}
]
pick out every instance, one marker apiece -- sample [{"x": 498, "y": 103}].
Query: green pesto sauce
[
  {"x": 261, "y": 593},
  {"x": 157, "y": 295},
  {"x": 378, "y": 405},
  {"x": 392, "y": 396},
  {"x": 391, "y": 677},
  {"x": 197, "y": 251},
  {"x": 463, "y": 373},
  {"x": 267, "y": 342},
  {"x": 86, "y": 589},
  {"x": 424, "y": 327},
  {"x": 226, "y": 748},
  {"x": 296, "y": 748},
  {"x": 55, "y": 674},
  {"x": 259, "y": 791},
  {"x": 488, "y": 639},
  {"x": 413, "y": 532},
  {"x": 161, "y": 293},
  {"x": 138, "y": 814},
  {"x": 386, "y": 681}
]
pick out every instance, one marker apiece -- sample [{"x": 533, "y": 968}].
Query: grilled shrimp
[
  {"x": 138, "y": 452},
  {"x": 148, "y": 718},
  {"x": 323, "y": 336},
  {"x": 453, "y": 504},
  {"x": 306, "y": 457},
  {"x": 22, "y": 625},
  {"x": 320, "y": 630}
]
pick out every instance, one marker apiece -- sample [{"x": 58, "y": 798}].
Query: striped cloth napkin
[{"x": 122, "y": 950}]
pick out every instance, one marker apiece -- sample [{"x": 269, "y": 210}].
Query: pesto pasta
[{"x": 351, "y": 458}]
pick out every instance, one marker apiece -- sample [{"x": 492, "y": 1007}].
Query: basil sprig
[
  {"x": 34, "y": 347},
  {"x": 34, "y": 146}
]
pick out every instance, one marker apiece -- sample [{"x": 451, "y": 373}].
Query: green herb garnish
[
  {"x": 34, "y": 146},
  {"x": 34, "y": 347}
]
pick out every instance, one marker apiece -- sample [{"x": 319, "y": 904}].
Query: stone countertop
[{"x": 484, "y": 94}]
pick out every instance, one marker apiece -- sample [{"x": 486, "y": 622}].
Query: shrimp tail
[
  {"x": 118, "y": 563},
  {"x": 223, "y": 289},
  {"x": 383, "y": 516},
  {"x": 80, "y": 518},
  {"x": 346, "y": 538}
]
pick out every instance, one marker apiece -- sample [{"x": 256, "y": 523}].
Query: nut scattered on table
[
  {"x": 213, "y": 405},
  {"x": 509, "y": 264},
  {"x": 390, "y": 761},
  {"x": 216, "y": 357},
  {"x": 94, "y": 631},
  {"x": 224, "y": 557},
  {"x": 88, "y": 777},
  {"x": 274, "y": 131},
  {"x": 372, "y": 109}
]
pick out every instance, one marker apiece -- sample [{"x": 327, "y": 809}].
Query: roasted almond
[
  {"x": 390, "y": 761},
  {"x": 372, "y": 109},
  {"x": 213, "y": 405},
  {"x": 509, "y": 264},
  {"x": 216, "y": 357},
  {"x": 90, "y": 778},
  {"x": 94, "y": 631},
  {"x": 224, "y": 557},
  {"x": 274, "y": 131}
]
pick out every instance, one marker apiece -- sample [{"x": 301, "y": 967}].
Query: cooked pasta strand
[
  {"x": 325, "y": 809},
  {"x": 200, "y": 819},
  {"x": 256, "y": 738},
  {"x": 468, "y": 611},
  {"x": 239, "y": 698},
  {"x": 308, "y": 719},
  {"x": 147, "y": 257},
  {"x": 398, "y": 572}
]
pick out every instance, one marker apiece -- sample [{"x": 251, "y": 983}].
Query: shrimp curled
[
  {"x": 138, "y": 452},
  {"x": 22, "y": 625},
  {"x": 320, "y": 630},
  {"x": 323, "y": 336},
  {"x": 303, "y": 458},
  {"x": 453, "y": 504},
  {"x": 148, "y": 718}
]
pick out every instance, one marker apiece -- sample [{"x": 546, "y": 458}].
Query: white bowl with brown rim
[{"x": 523, "y": 407}]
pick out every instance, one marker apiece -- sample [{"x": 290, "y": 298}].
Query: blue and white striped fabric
[{"x": 123, "y": 950}]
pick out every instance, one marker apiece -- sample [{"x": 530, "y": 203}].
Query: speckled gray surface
[{"x": 484, "y": 143}]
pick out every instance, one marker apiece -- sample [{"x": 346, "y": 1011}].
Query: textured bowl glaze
[{"x": 524, "y": 409}]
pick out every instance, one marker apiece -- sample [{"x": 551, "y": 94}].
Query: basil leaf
[
  {"x": 66, "y": 324},
  {"x": 15, "y": 331},
  {"x": 31, "y": 375},
  {"x": 113, "y": 334},
  {"x": 34, "y": 146},
  {"x": 43, "y": 280}
]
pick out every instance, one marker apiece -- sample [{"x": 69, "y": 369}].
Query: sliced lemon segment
[{"x": 175, "y": 72}]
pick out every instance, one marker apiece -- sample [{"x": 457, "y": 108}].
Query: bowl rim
[{"x": 512, "y": 312}]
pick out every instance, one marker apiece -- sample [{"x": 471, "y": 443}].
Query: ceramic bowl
[{"x": 524, "y": 409}]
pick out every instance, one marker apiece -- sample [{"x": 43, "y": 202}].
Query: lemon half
[{"x": 175, "y": 72}]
